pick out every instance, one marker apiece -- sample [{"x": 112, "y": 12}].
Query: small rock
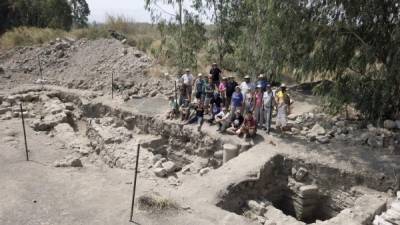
[
  {"x": 125, "y": 51},
  {"x": 160, "y": 172},
  {"x": 60, "y": 54},
  {"x": 340, "y": 123},
  {"x": 69, "y": 162},
  {"x": 323, "y": 139},
  {"x": 169, "y": 166},
  {"x": 69, "y": 106},
  {"x": 317, "y": 130},
  {"x": 156, "y": 158},
  {"x": 153, "y": 93},
  {"x": 204, "y": 171},
  {"x": 256, "y": 207},
  {"x": 186, "y": 169}
]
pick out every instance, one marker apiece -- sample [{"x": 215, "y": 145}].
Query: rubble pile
[
  {"x": 85, "y": 64},
  {"x": 320, "y": 128}
]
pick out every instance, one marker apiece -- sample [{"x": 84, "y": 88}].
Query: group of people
[{"x": 239, "y": 109}]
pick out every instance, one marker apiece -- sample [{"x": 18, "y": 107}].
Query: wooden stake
[
  {"x": 23, "y": 127},
  {"x": 134, "y": 183}
]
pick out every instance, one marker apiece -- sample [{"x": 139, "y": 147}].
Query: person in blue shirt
[
  {"x": 262, "y": 82},
  {"x": 237, "y": 100}
]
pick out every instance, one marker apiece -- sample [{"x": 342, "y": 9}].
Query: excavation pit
[{"x": 302, "y": 193}]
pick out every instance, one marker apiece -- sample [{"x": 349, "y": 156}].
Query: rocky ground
[{"x": 82, "y": 148}]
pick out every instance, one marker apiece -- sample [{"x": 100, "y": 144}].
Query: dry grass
[
  {"x": 156, "y": 203},
  {"x": 22, "y": 36}
]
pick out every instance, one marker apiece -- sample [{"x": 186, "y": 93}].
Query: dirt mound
[{"x": 83, "y": 64}]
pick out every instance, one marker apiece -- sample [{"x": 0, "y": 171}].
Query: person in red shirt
[{"x": 249, "y": 126}]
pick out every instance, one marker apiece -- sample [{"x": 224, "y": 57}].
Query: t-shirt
[
  {"x": 209, "y": 89},
  {"x": 222, "y": 87},
  {"x": 245, "y": 87},
  {"x": 283, "y": 98},
  {"x": 215, "y": 72},
  {"x": 200, "y": 85},
  {"x": 187, "y": 79},
  {"x": 237, "y": 121},
  {"x": 237, "y": 99},
  {"x": 250, "y": 123},
  {"x": 263, "y": 84},
  {"x": 267, "y": 98},
  {"x": 259, "y": 99},
  {"x": 230, "y": 88},
  {"x": 221, "y": 114},
  {"x": 216, "y": 100},
  {"x": 199, "y": 111}
]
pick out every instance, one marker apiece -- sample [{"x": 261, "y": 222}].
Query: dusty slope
[{"x": 82, "y": 64}]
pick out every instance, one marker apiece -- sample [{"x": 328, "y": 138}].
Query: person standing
[
  {"x": 187, "y": 80},
  {"x": 262, "y": 82},
  {"x": 199, "y": 88},
  {"x": 249, "y": 101},
  {"x": 237, "y": 100},
  {"x": 283, "y": 104},
  {"x": 216, "y": 74},
  {"x": 222, "y": 90},
  {"x": 230, "y": 89},
  {"x": 268, "y": 106},
  {"x": 209, "y": 93},
  {"x": 258, "y": 107},
  {"x": 246, "y": 85}
]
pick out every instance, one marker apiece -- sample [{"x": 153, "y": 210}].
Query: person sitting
[
  {"x": 209, "y": 93},
  {"x": 185, "y": 110},
  {"x": 235, "y": 124},
  {"x": 174, "y": 108},
  {"x": 249, "y": 126},
  {"x": 198, "y": 117},
  {"x": 223, "y": 118}
]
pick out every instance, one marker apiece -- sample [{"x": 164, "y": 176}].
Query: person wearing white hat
[
  {"x": 283, "y": 105},
  {"x": 187, "y": 80},
  {"x": 262, "y": 82},
  {"x": 246, "y": 85},
  {"x": 258, "y": 106},
  {"x": 199, "y": 86},
  {"x": 268, "y": 106}
]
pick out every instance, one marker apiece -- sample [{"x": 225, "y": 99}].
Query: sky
[{"x": 133, "y": 9}]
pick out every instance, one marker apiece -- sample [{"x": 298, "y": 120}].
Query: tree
[
  {"x": 185, "y": 32},
  {"x": 80, "y": 12},
  {"x": 60, "y": 14}
]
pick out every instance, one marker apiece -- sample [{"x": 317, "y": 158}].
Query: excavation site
[{"x": 100, "y": 133}]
